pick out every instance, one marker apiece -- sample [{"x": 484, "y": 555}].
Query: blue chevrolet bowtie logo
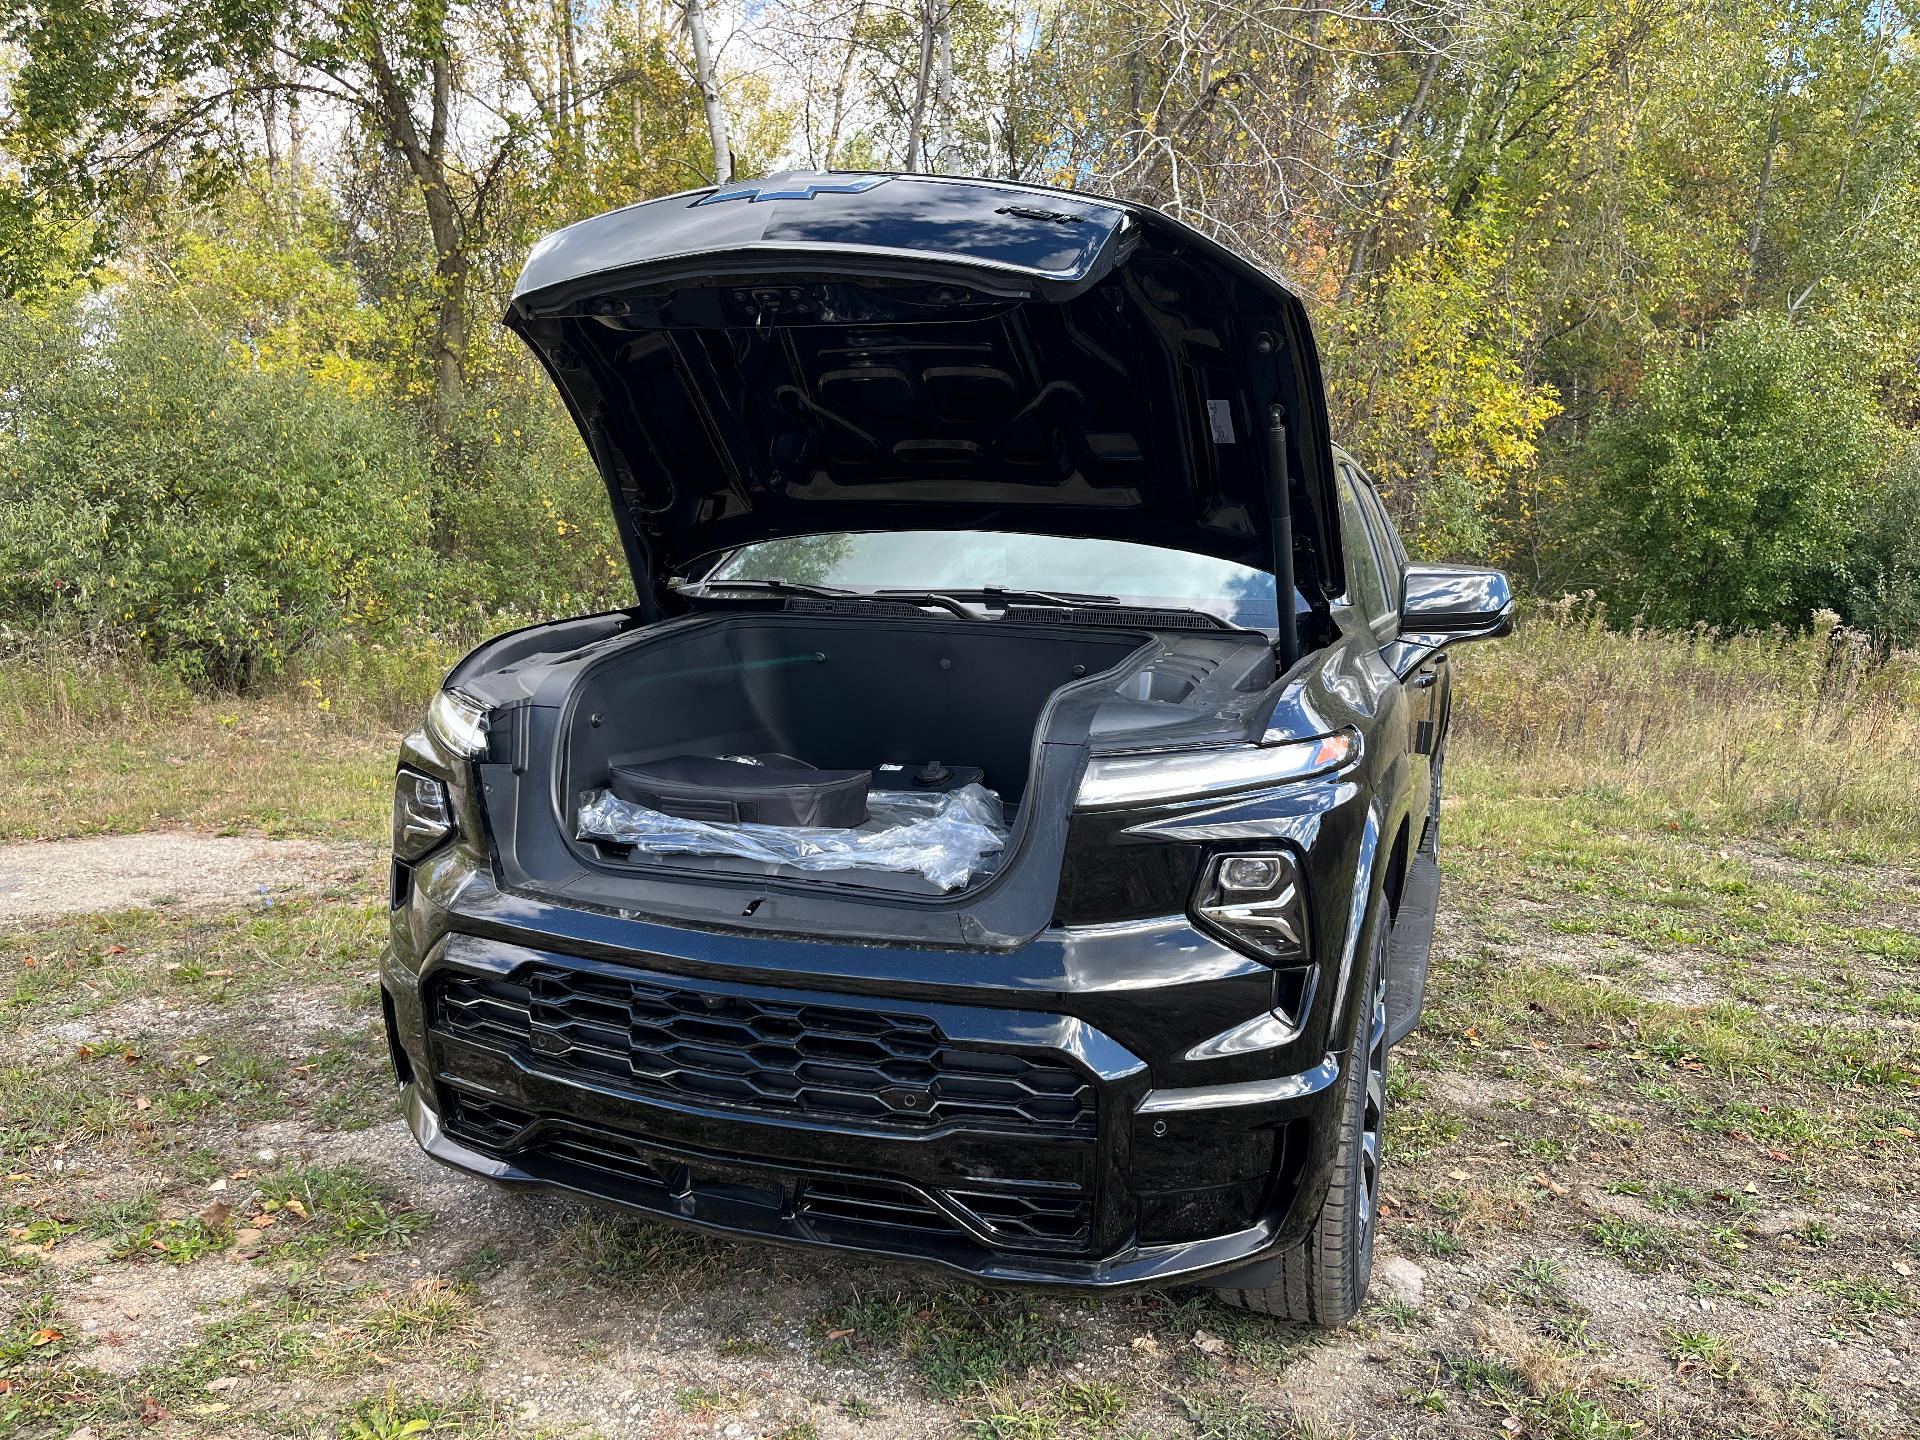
[{"x": 756, "y": 191}]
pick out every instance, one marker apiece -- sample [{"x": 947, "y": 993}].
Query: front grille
[
  {"x": 487, "y": 1122},
  {"x": 1055, "y": 1218},
  {"x": 890, "y": 1069},
  {"x": 871, "y": 1202},
  {"x": 1028, "y": 1218}
]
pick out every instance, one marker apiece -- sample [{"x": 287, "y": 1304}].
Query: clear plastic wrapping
[{"x": 946, "y": 837}]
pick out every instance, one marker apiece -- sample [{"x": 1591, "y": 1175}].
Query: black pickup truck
[{"x": 1002, "y": 832}]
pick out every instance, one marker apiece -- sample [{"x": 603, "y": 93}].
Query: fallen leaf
[
  {"x": 200, "y": 1060},
  {"x": 1145, "y": 1344},
  {"x": 297, "y": 1208},
  {"x": 1547, "y": 1182},
  {"x": 46, "y": 1336},
  {"x": 225, "y": 1382},
  {"x": 216, "y": 1214},
  {"x": 839, "y": 1334},
  {"x": 142, "y": 1102},
  {"x": 1208, "y": 1344},
  {"x": 152, "y": 1412},
  {"x": 115, "y": 950}
]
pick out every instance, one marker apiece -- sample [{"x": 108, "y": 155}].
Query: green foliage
[
  {"x": 526, "y": 521},
  {"x": 1883, "y": 589},
  {"x": 1728, "y": 491},
  {"x": 155, "y": 491},
  {"x": 1427, "y": 387}
]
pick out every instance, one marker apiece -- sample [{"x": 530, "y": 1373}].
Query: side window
[
  {"x": 1366, "y": 585},
  {"x": 1386, "y": 540}
]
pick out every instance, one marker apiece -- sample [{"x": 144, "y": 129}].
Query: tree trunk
[
  {"x": 709, "y": 91},
  {"x": 1757, "y": 230},
  {"x": 426, "y": 157},
  {"x": 1389, "y": 163},
  {"x": 943, "y": 91},
  {"x": 922, "y": 84},
  {"x": 570, "y": 116},
  {"x": 840, "y": 89}
]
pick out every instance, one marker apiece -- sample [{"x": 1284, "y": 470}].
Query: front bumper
[
  {"x": 534, "y": 1055},
  {"x": 758, "y": 1201}
]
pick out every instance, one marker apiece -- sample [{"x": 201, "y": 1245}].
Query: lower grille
[
  {"x": 482, "y": 1121},
  {"x": 1029, "y": 1218},
  {"x": 1060, "y": 1219},
  {"x": 652, "y": 1036},
  {"x": 871, "y": 1202}
]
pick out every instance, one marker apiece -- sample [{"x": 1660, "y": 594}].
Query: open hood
[{"x": 835, "y": 352}]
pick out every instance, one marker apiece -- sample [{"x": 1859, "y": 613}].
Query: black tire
[{"x": 1323, "y": 1280}]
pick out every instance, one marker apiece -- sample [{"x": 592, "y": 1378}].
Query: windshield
[{"x": 974, "y": 559}]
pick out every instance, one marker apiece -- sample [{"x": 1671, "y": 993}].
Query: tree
[
  {"x": 1729, "y": 490},
  {"x": 114, "y": 97}
]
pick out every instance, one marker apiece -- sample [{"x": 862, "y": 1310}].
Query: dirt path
[{"x": 45, "y": 879}]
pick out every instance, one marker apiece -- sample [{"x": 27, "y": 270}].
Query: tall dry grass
[
  {"x": 1771, "y": 729},
  {"x": 1753, "y": 731},
  {"x": 342, "y": 686}
]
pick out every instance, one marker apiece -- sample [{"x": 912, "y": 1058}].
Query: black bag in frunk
[{"x": 702, "y": 787}]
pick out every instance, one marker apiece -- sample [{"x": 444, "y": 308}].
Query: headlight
[
  {"x": 1112, "y": 781},
  {"x": 422, "y": 813},
  {"x": 1253, "y": 900},
  {"x": 458, "y": 723}
]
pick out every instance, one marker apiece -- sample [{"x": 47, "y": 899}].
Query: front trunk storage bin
[
  {"x": 749, "y": 791},
  {"x": 794, "y": 727}
]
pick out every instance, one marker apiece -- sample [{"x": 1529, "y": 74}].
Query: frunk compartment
[{"x": 915, "y": 705}]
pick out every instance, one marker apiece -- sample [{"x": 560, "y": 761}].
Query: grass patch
[
  {"x": 618, "y": 1254},
  {"x": 961, "y": 1342},
  {"x": 318, "y": 1210}
]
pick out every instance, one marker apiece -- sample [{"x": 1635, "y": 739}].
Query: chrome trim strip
[
  {"x": 1248, "y": 1092},
  {"x": 1114, "y": 781}
]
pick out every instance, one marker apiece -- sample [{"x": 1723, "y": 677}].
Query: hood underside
[{"x": 822, "y": 353}]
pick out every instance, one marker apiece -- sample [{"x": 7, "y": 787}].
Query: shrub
[
  {"x": 523, "y": 513},
  {"x": 1883, "y": 591},
  {"x": 156, "y": 490},
  {"x": 1729, "y": 489}
]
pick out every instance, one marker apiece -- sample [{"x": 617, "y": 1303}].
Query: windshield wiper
[
  {"x": 702, "y": 588},
  {"x": 997, "y": 597},
  {"x": 1001, "y": 596},
  {"x": 774, "y": 587}
]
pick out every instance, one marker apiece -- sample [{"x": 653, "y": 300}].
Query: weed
[
  {"x": 335, "y": 1208},
  {"x": 1539, "y": 1280},
  {"x": 619, "y": 1254},
  {"x": 1862, "y": 1302},
  {"x": 1638, "y": 1247},
  {"x": 1691, "y": 1350}
]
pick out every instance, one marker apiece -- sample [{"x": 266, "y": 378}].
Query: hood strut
[{"x": 1282, "y": 503}]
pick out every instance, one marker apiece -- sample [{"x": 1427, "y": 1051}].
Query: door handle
[{"x": 1425, "y": 679}]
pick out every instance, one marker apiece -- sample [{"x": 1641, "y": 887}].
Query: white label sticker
[{"x": 1220, "y": 417}]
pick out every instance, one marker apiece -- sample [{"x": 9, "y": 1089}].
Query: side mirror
[{"x": 1447, "y": 603}]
